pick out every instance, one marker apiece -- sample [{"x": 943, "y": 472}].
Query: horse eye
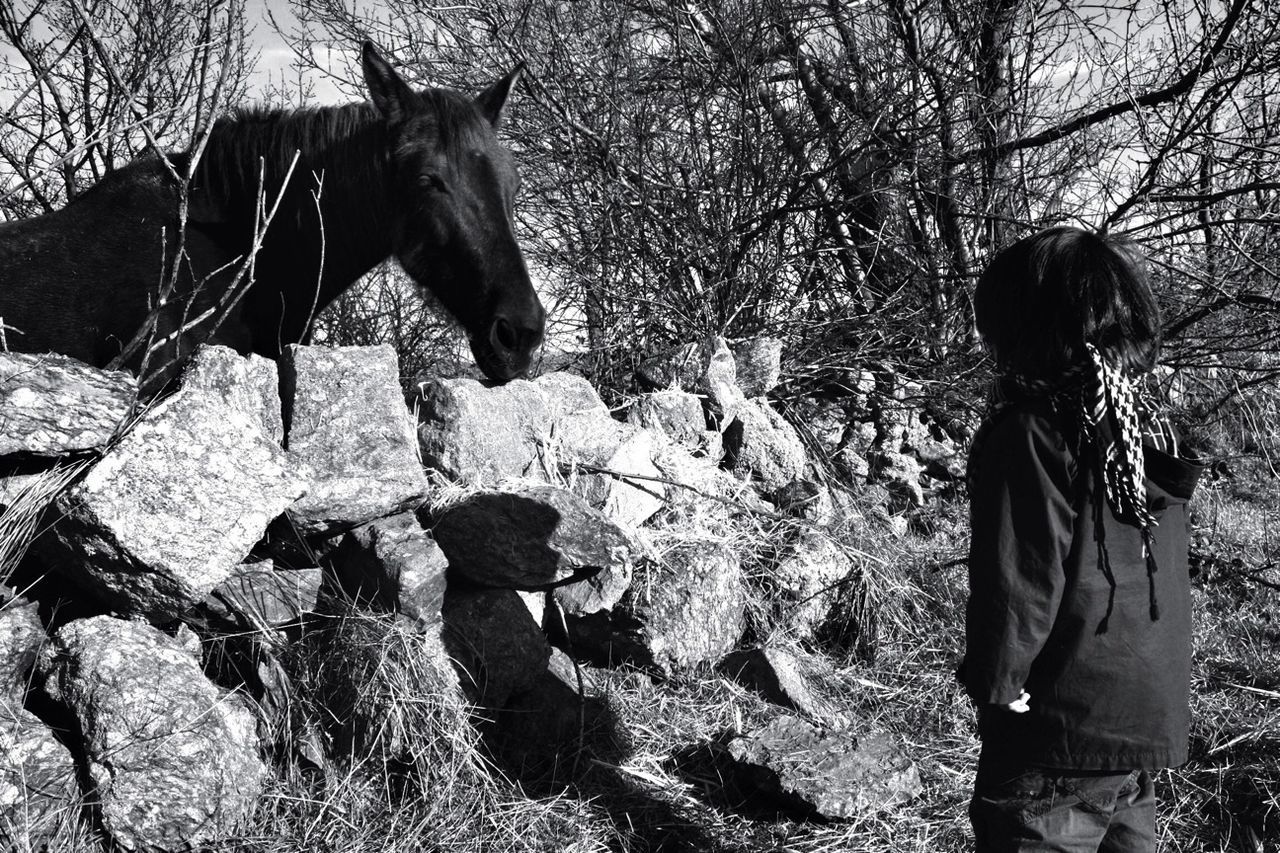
[{"x": 432, "y": 182}]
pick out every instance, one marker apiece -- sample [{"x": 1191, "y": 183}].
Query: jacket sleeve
[{"x": 1022, "y": 522}]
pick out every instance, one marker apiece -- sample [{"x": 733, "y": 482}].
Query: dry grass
[{"x": 25, "y": 506}]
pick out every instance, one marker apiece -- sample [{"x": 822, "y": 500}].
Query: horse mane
[{"x": 350, "y": 136}]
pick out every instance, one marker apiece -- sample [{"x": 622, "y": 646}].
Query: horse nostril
[{"x": 504, "y": 336}]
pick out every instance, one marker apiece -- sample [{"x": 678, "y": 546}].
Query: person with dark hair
[{"x": 1078, "y": 626}]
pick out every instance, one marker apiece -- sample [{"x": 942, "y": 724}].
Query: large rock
[
  {"x": 173, "y": 761},
  {"x": 570, "y": 396},
  {"x": 348, "y": 424},
  {"x": 690, "y": 610},
  {"x": 498, "y": 648},
  {"x": 759, "y": 363},
  {"x": 940, "y": 458},
  {"x": 21, "y": 637},
  {"x": 250, "y": 383},
  {"x": 706, "y": 367},
  {"x": 601, "y": 591},
  {"x": 809, "y": 574},
  {"x": 582, "y": 429},
  {"x": 629, "y": 488},
  {"x": 762, "y": 445},
  {"x": 175, "y": 505},
  {"x": 15, "y": 488},
  {"x": 53, "y": 404},
  {"x": 394, "y": 564},
  {"x": 38, "y": 795},
  {"x": 676, "y": 414},
  {"x": 842, "y": 773},
  {"x": 259, "y": 596},
  {"x": 701, "y": 495},
  {"x": 480, "y": 435},
  {"x": 532, "y": 538}
]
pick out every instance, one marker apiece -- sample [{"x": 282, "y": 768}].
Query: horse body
[
  {"x": 415, "y": 174},
  {"x": 76, "y": 280}
]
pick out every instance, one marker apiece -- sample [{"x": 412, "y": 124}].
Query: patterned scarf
[{"x": 1117, "y": 424}]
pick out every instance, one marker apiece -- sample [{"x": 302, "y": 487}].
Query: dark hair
[{"x": 1042, "y": 299}]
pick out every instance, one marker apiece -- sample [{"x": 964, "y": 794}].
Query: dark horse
[{"x": 417, "y": 174}]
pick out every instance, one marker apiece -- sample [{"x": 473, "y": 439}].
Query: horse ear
[
  {"x": 391, "y": 95},
  {"x": 492, "y": 100}
]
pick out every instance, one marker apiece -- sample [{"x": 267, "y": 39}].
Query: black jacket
[{"x": 1108, "y": 699}]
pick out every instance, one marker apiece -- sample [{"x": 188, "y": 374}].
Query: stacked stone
[{"x": 255, "y": 498}]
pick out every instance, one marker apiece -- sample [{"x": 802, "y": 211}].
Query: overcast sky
[{"x": 275, "y": 54}]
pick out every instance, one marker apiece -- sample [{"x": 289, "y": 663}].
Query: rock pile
[{"x": 252, "y": 501}]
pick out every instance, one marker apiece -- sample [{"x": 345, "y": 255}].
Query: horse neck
[
  {"x": 344, "y": 178},
  {"x": 334, "y": 204}
]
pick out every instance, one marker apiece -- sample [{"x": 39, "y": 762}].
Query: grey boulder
[
  {"x": 687, "y": 611},
  {"x": 349, "y": 426},
  {"x": 674, "y": 413},
  {"x": 498, "y": 648},
  {"x": 837, "y": 774},
  {"x": 39, "y": 799},
  {"x": 259, "y": 596},
  {"x": 53, "y": 404},
  {"x": 759, "y": 363},
  {"x": 395, "y": 565},
  {"x": 175, "y": 505},
  {"x": 249, "y": 383},
  {"x": 172, "y": 760},
  {"x": 21, "y": 638},
  {"x": 478, "y": 435},
  {"x": 762, "y": 445}
]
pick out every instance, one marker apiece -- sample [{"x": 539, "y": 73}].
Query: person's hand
[{"x": 1021, "y": 705}]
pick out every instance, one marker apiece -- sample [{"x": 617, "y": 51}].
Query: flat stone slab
[
  {"x": 39, "y": 799},
  {"x": 348, "y": 424},
  {"x": 175, "y": 505},
  {"x": 836, "y": 774},
  {"x": 258, "y": 595},
  {"x": 52, "y": 404},
  {"x": 531, "y": 538},
  {"x": 172, "y": 759}
]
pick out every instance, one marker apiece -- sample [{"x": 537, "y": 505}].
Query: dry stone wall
[{"x": 526, "y": 527}]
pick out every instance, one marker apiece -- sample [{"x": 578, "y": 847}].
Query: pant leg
[
  {"x": 1024, "y": 810},
  {"x": 1033, "y": 812},
  {"x": 1133, "y": 823}
]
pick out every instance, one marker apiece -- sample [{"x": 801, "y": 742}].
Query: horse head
[{"x": 452, "y": 190}]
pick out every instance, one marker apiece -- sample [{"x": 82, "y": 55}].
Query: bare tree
[
  {"x": 87, "y": 85},
  {"x": 837, "y": 173}
]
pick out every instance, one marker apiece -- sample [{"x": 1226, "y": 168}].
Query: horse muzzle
[{"x": 506, "y": 352}]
